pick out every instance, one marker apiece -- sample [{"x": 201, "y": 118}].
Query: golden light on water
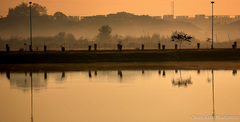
[{"x": 136, "y": 96}]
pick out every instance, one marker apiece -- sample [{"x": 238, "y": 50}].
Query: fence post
[
  {"x": 89, "y": 48},
  {"x": 163, "y": 47},
  {"x": 198, "y": 45},
  {"x": 159, "y": 46},
  {"x": 120, "y": 47},
  {"x": 176, "y": 46},
  {"x": 63, "y": 49},
  {"x": 95, "y": 47},
  {"x": 45, "y": 48},
  {"x": 7, "y": 48},
  {"x": 30, "y": 48},
  {"x": 142, "y": 46}
]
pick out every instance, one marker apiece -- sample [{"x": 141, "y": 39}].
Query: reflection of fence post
[
  {"x": 8, "y": 75},
  {"x": 198, "y": 45},
  {"x": 163, "y": 47},
  {"x": 198, "y": 71},
  {"x": 159, "y": 46},
  {"x": 159, "y": 72},
  {"x": 45, "y": 75},
  {"x": 175, "y": 46},
  {"x": 120, "y": 73},
  {"x": 164, "y": 74},
  {"x": 142, "y": 46},
  {"x": 95, "y": 73},
  {"x": 7, "y": 48},
  {"x": 176, "y": 71},
  {"x": 234, "y": 72},
  {"x": 89, "y": 74}
]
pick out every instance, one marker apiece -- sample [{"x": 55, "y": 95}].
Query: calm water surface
[{"x": 120, "y": 96}]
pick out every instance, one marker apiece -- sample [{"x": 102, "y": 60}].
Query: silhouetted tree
[
  {"x": 22, "y": 10},
  {"x": 155, "y": 37},
  {"x": 59, "y": 16},
  {"x": 180, "y": 37},
  {"x": 104, "y": 33},
  {"x": 208, "y": 40}
]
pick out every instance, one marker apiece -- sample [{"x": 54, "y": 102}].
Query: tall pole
[
  {"x": 212, "y": 24},
  {"x": 30, "y": 46}
]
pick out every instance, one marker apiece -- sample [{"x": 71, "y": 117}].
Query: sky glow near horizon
[{"x": 138, "y": 7}]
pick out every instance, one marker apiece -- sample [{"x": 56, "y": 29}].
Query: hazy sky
[{"x": 150, "y": 7}]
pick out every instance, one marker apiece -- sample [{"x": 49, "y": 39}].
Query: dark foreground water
[{"x": 120, "y": 96}]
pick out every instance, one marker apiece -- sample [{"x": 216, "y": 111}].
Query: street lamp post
[
  {"x": 30, "y": 46},
  {"x": 212, "y": 25}
]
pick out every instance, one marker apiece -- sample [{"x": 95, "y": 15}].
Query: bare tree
[{"x": 180, "y": 37}]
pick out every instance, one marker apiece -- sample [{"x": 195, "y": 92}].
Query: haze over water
[{"x": 120, "y": 96}]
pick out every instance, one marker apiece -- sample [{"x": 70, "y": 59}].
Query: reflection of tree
[
  {"x": 182, "y": 82},
  {"x": 23, "y": 81},
  {"x": 104, "y": 33}
]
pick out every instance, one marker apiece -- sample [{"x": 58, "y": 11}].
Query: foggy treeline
[{"x": 126, "y": 28}]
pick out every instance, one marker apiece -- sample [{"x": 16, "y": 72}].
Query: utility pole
[
  {"x": 212, "y": 24},
  {"x": 30, "y": 46}
]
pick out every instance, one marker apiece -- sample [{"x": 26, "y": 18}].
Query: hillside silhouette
[{"x": 60, "y": 29}]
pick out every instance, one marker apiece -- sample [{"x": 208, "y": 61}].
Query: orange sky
[{"x": 150, "y": 7}]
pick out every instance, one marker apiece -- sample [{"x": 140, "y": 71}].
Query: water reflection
[
  {"x": 8, "y": 75},
  {"x": 159, "y": 72},
  {"x": 234, "y": 72},
  {"x": 164, "y": 74},
  {"x": 63, "y": 75},
  {"x": 95, "y": 73},
  {"x": 89, "y": 74},
  {"x": 182, "y": 82},
  {"x": 23, "y": 80},
  {"x": 213, "y": 94},
  {"x": 176, "y": 71},
  {"x": 31, "y": 97},
  {"x": 98, "y": 83},
  {"x": 120, "y": 74},
  {"x": 45, "y": 75}
]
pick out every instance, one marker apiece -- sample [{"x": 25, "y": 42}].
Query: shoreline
[
  {"x": 172, "y": 65},
  {"x": 117, "y": 56}
]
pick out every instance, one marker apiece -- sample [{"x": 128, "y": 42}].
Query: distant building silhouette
[{"x": 168, "y": 17}]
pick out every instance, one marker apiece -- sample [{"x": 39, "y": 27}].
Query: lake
[{"x": 120, "y": 96}]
